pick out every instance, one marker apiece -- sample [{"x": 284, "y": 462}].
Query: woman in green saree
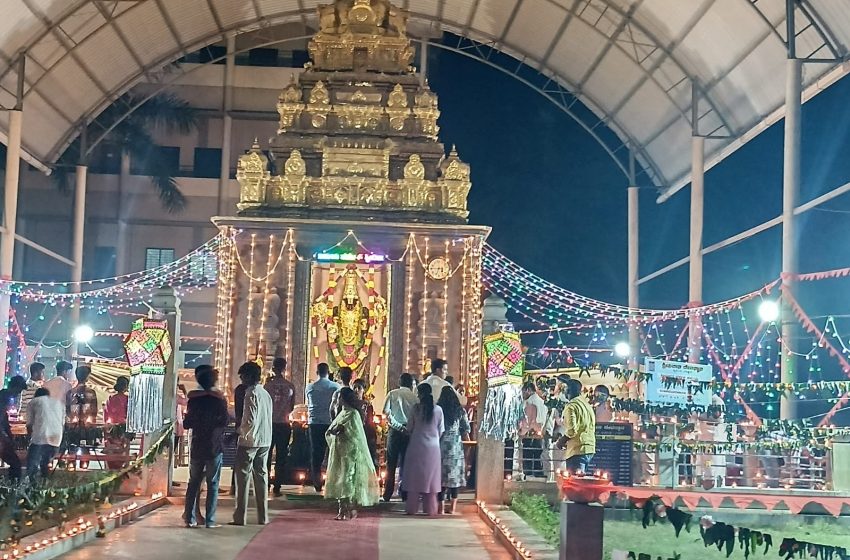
[{"x": 351, "y": 475}]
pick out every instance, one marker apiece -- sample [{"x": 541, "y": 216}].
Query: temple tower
[{"x": 351, "y": 245}]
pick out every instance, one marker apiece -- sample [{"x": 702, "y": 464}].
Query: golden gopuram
[{"x": 351, "y": 244}]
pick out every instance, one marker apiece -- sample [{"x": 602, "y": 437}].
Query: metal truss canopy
[{"x": 624, "y": 69}]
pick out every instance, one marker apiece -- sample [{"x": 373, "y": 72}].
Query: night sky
[{"x": 557, "y": 202}]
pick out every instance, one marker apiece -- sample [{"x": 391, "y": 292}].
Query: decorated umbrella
[{"x": 147, "y": 348}]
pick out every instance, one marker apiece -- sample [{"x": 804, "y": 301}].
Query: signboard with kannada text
[{"x": 677, "y": 383}]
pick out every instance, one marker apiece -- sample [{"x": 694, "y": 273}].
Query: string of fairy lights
[{"x": 568, "y": 328}]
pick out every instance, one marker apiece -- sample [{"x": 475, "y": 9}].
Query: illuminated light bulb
[
  {"x": 83, "y": 334},
  {"x": 768, "y": 311}
]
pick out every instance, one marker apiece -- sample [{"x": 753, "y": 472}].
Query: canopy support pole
[
  {"x": 790, "y": 196},
  {"x": 697, "y": 217},
  {"x": 10, "y": 215},
  {"x": 226, "y": 124},
  {"x": 634, "y": 253}
]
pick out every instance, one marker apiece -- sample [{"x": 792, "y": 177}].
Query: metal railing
[{"x": 680, "y": 466}]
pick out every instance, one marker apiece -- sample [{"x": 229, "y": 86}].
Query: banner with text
[{"x": 677, "y": 382}]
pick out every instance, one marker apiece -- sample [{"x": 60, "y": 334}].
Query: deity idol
[{"x": 350, "y": 321}]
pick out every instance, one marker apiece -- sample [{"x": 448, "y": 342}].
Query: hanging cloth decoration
[
  {"x": 504, "y": 364},
  {"x": 148, "y": 349}
]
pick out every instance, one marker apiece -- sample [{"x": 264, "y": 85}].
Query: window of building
[
  {"x": 207, "y": 163},
  {"x": 106, "y": 159},
  {"x": 262, "y": 57},
  {"x": 161, "y": 159},
  {"x": 203, "y": 267},
  {"x": 155, "y": 257},
  {"x": 104, "y": 262}
]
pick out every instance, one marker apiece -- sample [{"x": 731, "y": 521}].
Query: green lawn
[{"x": 660, "y": 539}]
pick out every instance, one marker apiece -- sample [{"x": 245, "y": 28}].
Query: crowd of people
[
  {"x": 560, "y": 433},
  {"x": 424, "y": 441},
  {"x": 53, "y": 410},
  {"x": 424, "y": 454}
]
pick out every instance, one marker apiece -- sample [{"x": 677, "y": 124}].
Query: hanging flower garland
[{"x": 322, "y": 313}]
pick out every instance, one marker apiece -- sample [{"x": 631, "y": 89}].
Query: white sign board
[{"x": 673, "y": 383}]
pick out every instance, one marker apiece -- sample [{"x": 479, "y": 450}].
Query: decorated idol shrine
[{"x": 351, "y": 245}]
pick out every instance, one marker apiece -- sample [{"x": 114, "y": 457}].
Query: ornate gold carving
[
  {"x": 291, "y": 187},
  {"x": 319, "y": 105},
  {"x": 319, "y": 94},
  {"x": 356, "y": 161},
  {"x": 397, "y": 109},
  {"x": 359, "y": 117},
  {"x": 397, "y": 97},
  {"x": 414, "y": 169},
  {"x": 289, "y": 106},
  {"x": 253, "y": 176},
  {"x": 455, "y": 184},
  {"x": 367, "y": 35},
  {"x": 295, "y": 165},
  {"x": 426, "y": 112}
]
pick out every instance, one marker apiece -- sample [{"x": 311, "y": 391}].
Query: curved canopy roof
[{"x": 631, "y": 62}]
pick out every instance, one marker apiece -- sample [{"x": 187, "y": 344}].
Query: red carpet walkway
[
  {"x": 316, "y": 535},
  {"x": 301, "y": 534}
]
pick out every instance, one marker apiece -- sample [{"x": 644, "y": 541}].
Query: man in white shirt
[
  {"x": 45, "y": 421},
  {"x": 398, "y": 407},
  {"x": 531, "y": 431},
  {"x": 62, "y": 383},
  {"x": 436, "y": 380},
  {"x": 252, "y": 452}
]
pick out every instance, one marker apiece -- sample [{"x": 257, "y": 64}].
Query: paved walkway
[{"x": 306, "y": 534}]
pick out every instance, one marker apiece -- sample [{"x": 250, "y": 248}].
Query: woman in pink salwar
[{"x": 422, "y": 474}]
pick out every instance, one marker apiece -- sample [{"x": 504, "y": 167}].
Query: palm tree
[{"x": 133, "y": 135}]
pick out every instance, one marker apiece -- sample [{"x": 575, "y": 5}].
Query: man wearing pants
[
  {"x": 319, "y": 395},
  {"x": 282, "y": 392},
  {"x": 252, "y": 451},
  {"x": 531, "y": 430},
  {"x": 398, "y": 407},
  {"x": 206, "y": 416}
]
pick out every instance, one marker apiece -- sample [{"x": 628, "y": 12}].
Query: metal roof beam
[
  {"x": 664, "y": 56},
  {"x": 111, "y": 21},
  {"x": 746, "y": 234},
  {"x": 171, "y": 27},
  {"x": 70, "y": 50},
  {"x": 652, "y": 37},
  {"x": 558, "y": 35},
  {"x": 509, "y": 23},
  {"x": 826, "y": 35},
  {"x": 626, "y": 19}
]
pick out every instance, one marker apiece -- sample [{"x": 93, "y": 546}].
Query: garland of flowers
[
  {"x": 27, "y": 502},
  {"x": 322, "y": 313}
]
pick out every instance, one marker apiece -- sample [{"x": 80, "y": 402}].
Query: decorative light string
[
  {"x": 290, "y": 293},
  {"x": 464, "y": 311},
  {"x": 250, "y": 275},
  {"x": 266, "y": 290},
  {"x": 423, "y": 326},
  {"x": 445, "y": 329},
  {"x": 475, "y": 326},
  {"x": 408, "y": 298}
]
